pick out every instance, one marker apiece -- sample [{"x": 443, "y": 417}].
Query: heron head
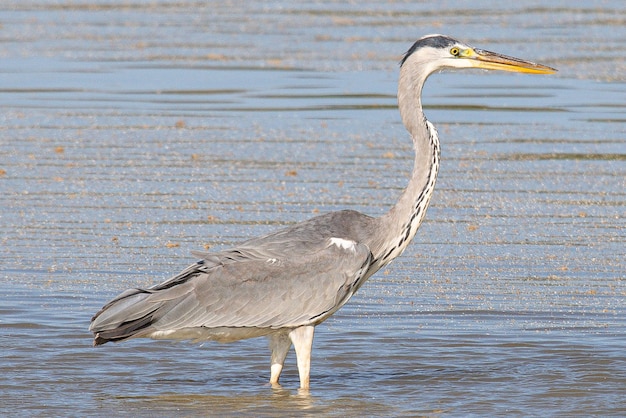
[{"x": 435, "y": 52}]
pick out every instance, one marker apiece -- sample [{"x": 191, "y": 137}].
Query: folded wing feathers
[{"x": 239, "y": 289}]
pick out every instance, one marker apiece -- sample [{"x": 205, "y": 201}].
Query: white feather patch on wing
[{"x": 346, "y": 244}]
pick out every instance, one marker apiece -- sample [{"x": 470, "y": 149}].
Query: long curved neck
[{"x": 398, "y": 226}]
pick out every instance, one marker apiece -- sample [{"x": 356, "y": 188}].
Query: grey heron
[{"x": 284, "y": 284}]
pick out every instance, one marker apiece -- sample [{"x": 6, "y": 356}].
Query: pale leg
[
  {"x": 279, "y": 345},
  {"x": 302, "y": 339}
]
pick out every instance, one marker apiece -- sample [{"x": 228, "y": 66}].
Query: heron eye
[{"x": 455, "y": 51}]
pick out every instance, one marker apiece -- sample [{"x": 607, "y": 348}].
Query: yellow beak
[{"x": 494, "y": 61}]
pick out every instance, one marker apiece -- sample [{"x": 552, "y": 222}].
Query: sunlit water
[{"x": 133, "y": 134}]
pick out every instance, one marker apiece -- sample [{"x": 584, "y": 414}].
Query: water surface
[{"x": 133, "y": 134}]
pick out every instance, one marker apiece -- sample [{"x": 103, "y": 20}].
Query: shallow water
[{"x": 133, "y": 134}]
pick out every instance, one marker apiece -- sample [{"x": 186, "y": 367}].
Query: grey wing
[
  {"x": 241, "y": 288},
  {"x": 281, "y": 292}
]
